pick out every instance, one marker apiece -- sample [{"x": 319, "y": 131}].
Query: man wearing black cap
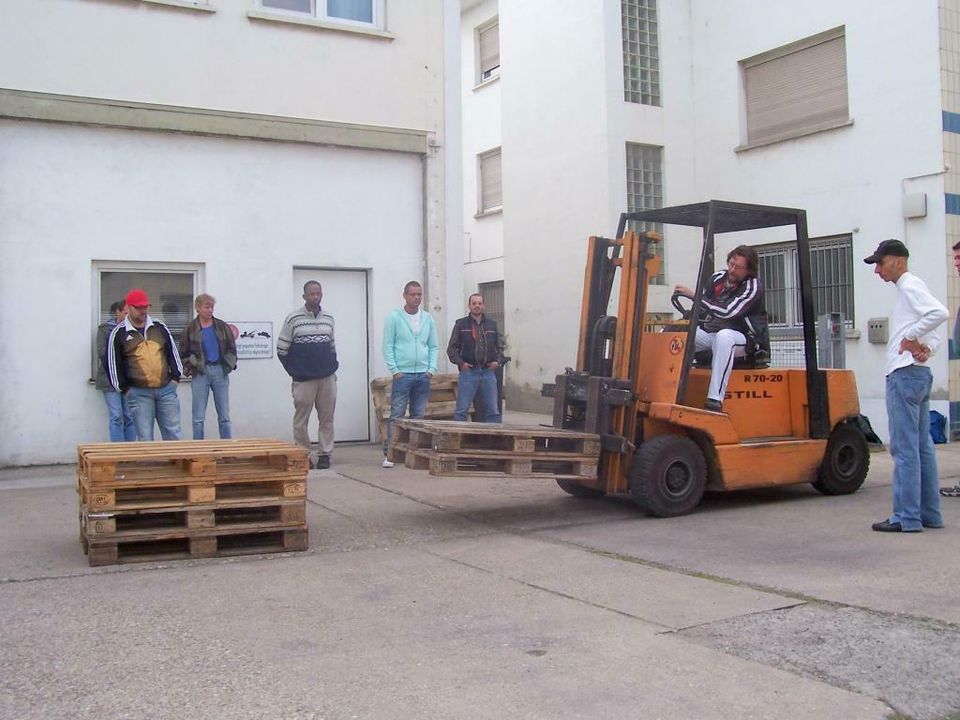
[{"x": 913, "y": 341}]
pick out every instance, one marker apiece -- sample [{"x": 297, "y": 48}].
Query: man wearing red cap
[{"x": 143, "y": 363}]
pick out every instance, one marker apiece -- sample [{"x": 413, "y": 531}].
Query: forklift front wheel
[
  {"x": 577, "y": 490},
  {"x": 668, "y": 476},
  {"x": 845, "y": 463}
]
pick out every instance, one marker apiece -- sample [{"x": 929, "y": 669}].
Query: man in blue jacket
[
  {"x": 410, "y": 350},
  {"x": 306, "y": 349}
]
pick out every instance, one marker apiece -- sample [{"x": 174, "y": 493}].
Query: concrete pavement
[{"x": 426, "y": 597}]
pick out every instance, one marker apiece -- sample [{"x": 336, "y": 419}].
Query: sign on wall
[{"x": 254, "y": 339}]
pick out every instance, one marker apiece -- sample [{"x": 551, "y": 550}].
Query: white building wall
[
  {"x": 849, "y": 180},
  {"x": 152, "y": 53},
  {"x": 481, "y": 106},
  {"x": 246, "y": 211},
  {"x": 260, "y": 210}
]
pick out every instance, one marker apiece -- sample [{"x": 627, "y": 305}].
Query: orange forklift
[{"x": 641, "y": 388}]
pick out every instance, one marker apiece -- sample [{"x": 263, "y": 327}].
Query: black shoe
[
  {"x": 323, "y": 462},
  {"x": 887, "y": 526},
  {"x": 713, "y": 405}
]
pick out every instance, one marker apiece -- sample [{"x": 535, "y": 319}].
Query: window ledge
[
  {"x": 485, "y": 83},
  {"x": 200, "y": 5},
  {"x": 487, "y": 213},
  {"x": 775, "y": 141},
  {"x": 320, "y": 24}
]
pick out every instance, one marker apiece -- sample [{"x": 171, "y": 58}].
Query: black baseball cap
[{"x": 887, "y": 247}]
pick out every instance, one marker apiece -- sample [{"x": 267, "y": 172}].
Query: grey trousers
[{"x": 307, "y": 395}]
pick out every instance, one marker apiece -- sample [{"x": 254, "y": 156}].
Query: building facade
[
  {"x": 614, "y": 106},
  {"x": 233, "y": 147}
]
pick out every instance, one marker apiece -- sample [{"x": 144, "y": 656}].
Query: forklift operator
[{"x": 730, "y": 298}]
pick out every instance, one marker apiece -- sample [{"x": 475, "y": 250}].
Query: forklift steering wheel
[{"x": 684, "y": 312}]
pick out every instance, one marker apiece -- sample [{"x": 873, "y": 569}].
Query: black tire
[
  {"x": 577, "y": 490},
  {"x": 668, "y": 476},
  {"x": 845, "y": 463}
]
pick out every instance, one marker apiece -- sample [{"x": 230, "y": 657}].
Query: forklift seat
[{"x": 759, "y": 360}]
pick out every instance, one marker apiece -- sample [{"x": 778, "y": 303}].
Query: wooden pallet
[
  {"x": 493, "y": 464},
  {"x": 158, "y": 494},
  {"x": 107, "y": 464},
  {"x": 188, "y": 544},
  {"x": 255, "y": 515},
  {"x": 460, "y": 437}
]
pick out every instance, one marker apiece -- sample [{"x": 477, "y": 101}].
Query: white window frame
[
  {"x": 99, "y": 315},
  {"x": 318, "y": 12},
  {"x": 482, "y": 207},
  {"x": 494, "y": 71},
  {"x": 783, "y": 86}
]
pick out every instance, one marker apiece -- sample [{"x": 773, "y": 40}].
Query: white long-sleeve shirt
[{"x": 916, "y": 316}]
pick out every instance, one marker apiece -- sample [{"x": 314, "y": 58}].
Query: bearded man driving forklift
[{"x": 729, "y": 300}]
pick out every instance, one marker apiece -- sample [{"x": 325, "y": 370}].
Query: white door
[{"x": 345, "y": 297}]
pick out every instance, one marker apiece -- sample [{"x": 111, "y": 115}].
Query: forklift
[{"x": 642, "y": 387}]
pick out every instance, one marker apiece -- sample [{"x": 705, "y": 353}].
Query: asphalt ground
[{"x": 424, "y": 597}]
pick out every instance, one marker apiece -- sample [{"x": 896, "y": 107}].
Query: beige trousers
[{"x": 307, "y": 395}]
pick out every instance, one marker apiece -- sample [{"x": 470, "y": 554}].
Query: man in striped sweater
[
  {"x": 730, "y": 298},
  {"x": 307, "y": 351}
]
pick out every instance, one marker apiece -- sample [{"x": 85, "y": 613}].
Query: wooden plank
[
  {"x": 153, "y": 521},
  {"x": 211, "y": 544},
  {"x": 490, "y": 465},
  {"x": 458, "y": 437}
]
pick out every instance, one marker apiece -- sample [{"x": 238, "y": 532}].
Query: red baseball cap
[{"x": 137, "y": 298}]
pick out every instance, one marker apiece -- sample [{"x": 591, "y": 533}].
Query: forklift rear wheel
[
  {"x": 668, "y": 476},
  {"x": 578, "y": 490},
  {"x": 845, "y": 464}
]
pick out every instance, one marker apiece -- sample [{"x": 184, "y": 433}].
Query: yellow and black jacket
[{"x": 145, "y": 358}]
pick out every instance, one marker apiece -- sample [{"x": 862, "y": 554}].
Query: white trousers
[{"x": 725, "y": 345}]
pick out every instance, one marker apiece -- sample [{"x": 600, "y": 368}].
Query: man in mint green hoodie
[{"x": 410, "y": 350}]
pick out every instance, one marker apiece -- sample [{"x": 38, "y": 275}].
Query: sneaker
[
  {"x": 386, "y": 463},
  {"x": 950, "y": 491},
  {"x": 323, "y": 462}
]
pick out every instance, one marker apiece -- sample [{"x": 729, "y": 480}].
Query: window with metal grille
[
  {"x": 491, "y": 195},
  {"x": 645, "y": 191},
  {"x": 641, "y": 51},
  {"x": 488, "y": 50},
  {"x": 831, "y": 272},
  {"x": 797, "y": 89}
]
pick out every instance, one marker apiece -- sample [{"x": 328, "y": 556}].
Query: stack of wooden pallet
[
  {"x": 442, "y": 403},
  {"x": 463, "y": 448},
  {"x": 209, "y": 498}
]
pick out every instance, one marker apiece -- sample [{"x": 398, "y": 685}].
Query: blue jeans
[
  {"x": 916, "y": 492},
  {"x": 120, "y": 417},
  {"x": 213, "y": 378},
  {"x": 160, "y": 404},
  {"x": 411, "y": 389},
  {"x": 479, "y": 386}
]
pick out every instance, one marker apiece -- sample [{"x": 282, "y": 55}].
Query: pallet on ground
[
  {"x": 456, "y": 437},
  {"x": 109, "y": 463},
  {"x": 189, "y": 544},
  {"x": 482, "y": 463},
  {"x": 138, "y": 523}
]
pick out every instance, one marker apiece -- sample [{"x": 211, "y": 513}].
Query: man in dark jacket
[
  {"x": 306, "y": 349},
  {"x": 143, "y": 363},
  {"x": 729, "y": 300},
  {"x": 476, "y": 348},
  {"x": 209, "y": 353},
  {"x": 120, "y": 413}
]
